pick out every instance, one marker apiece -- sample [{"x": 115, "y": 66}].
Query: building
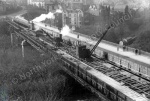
[
  {"x": 39, "y": 3},
  {"x": 51, "y": 5},
  {"x": 2, "y": 6},
  {"x": 74, "y": 17},
  {"x": 7, "y": 5},
  {"x": 73, "y": 14}
]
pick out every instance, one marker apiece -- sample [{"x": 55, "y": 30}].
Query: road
[{"x": 23, "y": 11}]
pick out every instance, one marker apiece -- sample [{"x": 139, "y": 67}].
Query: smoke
[
  {"x": 42, "y": 17},
  {"x": 59, "y": 11},
  {"x": 65, "y": 30},
  {"x": 50, "y": 15}
]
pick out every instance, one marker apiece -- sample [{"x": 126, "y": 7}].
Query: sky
[{"x": 134, "y": 3}]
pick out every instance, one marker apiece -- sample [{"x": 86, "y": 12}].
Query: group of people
[{"x": 125, "y": 48}]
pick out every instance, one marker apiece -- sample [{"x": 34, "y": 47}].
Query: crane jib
[{"x": 103, "y": 34}]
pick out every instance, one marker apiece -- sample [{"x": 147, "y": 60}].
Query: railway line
[{"x": 112, "y": 71}]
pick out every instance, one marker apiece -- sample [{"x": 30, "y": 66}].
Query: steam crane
[{"x": 84, "y": 53}]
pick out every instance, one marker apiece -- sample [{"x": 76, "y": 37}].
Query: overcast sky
[{"x": 136, "y": 3}]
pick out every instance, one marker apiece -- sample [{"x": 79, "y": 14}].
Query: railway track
[
  {"x": 98, "y": 64},
  {"x": 113, "y": 72}
]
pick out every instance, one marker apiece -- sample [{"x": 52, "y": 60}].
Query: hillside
[
  {"x": 142, "y": 33},
  {"x": 142, "y": 42},
  {"x": 138, "y": 28}
]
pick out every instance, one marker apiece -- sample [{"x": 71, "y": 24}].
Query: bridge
[{"x": 97, "y": 75}]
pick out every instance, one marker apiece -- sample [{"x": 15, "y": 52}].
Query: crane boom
[{"x": 103, "y": 34}]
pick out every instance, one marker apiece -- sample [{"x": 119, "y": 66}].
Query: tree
[
  {"x": 127, "y": 9},
  {"x": 88, "y": 19},
  {"x": 4, "y": 28},
  {"x": 142, "y": 42},
  {"x": 40, "y": 6}
]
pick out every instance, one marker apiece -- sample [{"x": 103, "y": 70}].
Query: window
[
  {"x": 88, "y": 79},
  {"x": 93, "y": 82},
  {"x": 120, "y": 99},
  {"x": 112, "y": 96},
  {"x": 82, "y": 75},
  {"x": 100, "y": 87},
  {"x": 105, "y": 91}
]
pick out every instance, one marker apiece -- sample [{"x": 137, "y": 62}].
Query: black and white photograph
[{"x": 74, "y": 50}]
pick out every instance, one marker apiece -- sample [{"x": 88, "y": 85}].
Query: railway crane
[{"x": 84, "y": 53}]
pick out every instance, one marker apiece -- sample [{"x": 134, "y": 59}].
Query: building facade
[
  {"x": 73, "y": 14},
  {"x": 74, "y": 17}
]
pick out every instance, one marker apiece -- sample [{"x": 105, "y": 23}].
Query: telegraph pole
[
  {"x": 22, "y": 44},
  {"x": 11, "y": 30},
  {"x": 12, "y": 39}
]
